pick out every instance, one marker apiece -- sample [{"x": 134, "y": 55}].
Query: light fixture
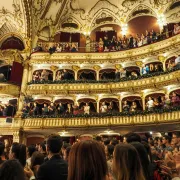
[
  {"x": 124, "y": 28},
  {"x": 161, "y": 20},
  {"x": 150, "y": 132}
]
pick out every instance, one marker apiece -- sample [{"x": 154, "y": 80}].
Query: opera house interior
[{"x": 99, "y": 69}]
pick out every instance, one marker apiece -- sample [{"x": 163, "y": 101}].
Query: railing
[
  {"x": 158, "y": 118},
  {"x": 104, "y": 81}
]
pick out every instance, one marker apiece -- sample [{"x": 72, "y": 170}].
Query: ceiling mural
[{"x": 29, "y": 18}]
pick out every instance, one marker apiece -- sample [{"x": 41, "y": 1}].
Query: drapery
[
  {"x": 107, "y": 74},
  {"x": 42, "y": 101},
  {"x": 156, "y": 95},
  {"x": 16, "y": 73},
  {"x": 63, "y": 101}
]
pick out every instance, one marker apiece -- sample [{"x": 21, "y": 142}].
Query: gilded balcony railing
[{"x": 38, "y": 123}]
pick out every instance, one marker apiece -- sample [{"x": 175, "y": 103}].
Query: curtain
[
  {"x": 136, "y": 99},
  {"x": 64, "y": 37},
  {"x": 12, "y": 43},
  {"x": 156, "y": 95},
  {"x": 16, "y": 73},
  {"x": 102, "y": 34},
  {"x": 42, "y": 101},
  {"x": 87, "y": 74},
  {"x": 176, "y": 91},
  {"x": 75, "y": 37},
  {"x": 107, "y": 74}
]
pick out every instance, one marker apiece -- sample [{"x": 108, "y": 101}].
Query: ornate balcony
[
  {"x": 133, "y": 85},
  {"x": 84, "y": 122}
]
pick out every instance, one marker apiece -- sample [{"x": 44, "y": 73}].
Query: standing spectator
[
  {"x": 30, "y": 150},
  {"x": 150, "y": 104},
  {"x": 176, "y": 138},
  {"x": 44, "y": 75},
  {"x": 167, "y": 142},
  {"x": 56, "y": 168},
  {"x": 87, "y": 109},
  {"x": 60, "y": 108},
  {"x": 175, "y": 99},
  {"x": 126, "y": 163},
  {"x": 42, "y": 149},
  {"x": 103, "y": 108}
]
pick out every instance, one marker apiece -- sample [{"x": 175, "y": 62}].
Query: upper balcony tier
[{"x": 131, "y": 55}]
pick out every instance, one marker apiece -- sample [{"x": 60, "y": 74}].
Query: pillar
[
  {"x": 75, "y": 75},
  {"x": 140, "y": 65},
  {"x": 97, "y": 101},
  {"x": 97, "y": 75},
  {"x": 120, "y": 104},
  {"x": 30, "y": 74},
  {"x": 143, "y": 102},
  {"x": 54, "y": 75},
  {"x": 16, "y": 136},
  {"x": 162, "y": 59},
  {"x": 88, "y": 44},
  {"x": 25, "y": 78}
]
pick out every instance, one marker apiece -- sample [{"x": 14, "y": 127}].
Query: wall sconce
[{"x": 87, "y": 33}]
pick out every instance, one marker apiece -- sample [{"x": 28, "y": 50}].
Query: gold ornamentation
[
  {"x": 118, "y": 66},
  {"x": 96, "y": 68},
  {"x": 54, "y": 68},
  {"x": 75, "y": 68},
  {"x": 139, "y": 63}
]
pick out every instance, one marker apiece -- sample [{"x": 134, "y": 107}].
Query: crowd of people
[
  {"x": 56, "y": 47},
  {"x": 134, "y": 157},
  {"x": 7, "y": 110},
  {"x": 163, "y": 102}
]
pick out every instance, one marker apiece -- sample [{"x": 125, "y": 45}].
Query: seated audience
[
  {"x": 126, "y": 163},
  {"x": 170, "y": 65},
  {"x": 59, "y": 48},
  {"x": 156, "y": 103},
  {"x": 52, "y": 49},
  {"x": 51, "y": 109},
  {"x": 87, "y": 160},
  {"x": 87, "y": 109},
  {"x": 73, "y": 48},
  {"x": 133, "y": 75},
  {"x": 59, "y": 76},
  {"x": 65, "y": 75},
  {"x": 144, "y": 70},
  {"x": 167, "y": 102},
  {"x": 125, "y": 106},
  {"x": 76, "y": 109},
  {"x": 103, "y": 108},
  {"x": 12, "y": 170},
  {"x": 67, "y": 47},
  {"x": 151, "y": 68},
  {"x": 147, "y": 69},
  {"x": 123, "y": 73},
  {"x": 110, "y": 107}
]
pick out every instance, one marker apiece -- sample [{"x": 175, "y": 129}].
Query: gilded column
[
  {"x": 143, "y": 101},
  {"x": 162, "y": 59},
  {"x": 25, "y": 78},
  {"x": 54, "y": 70},
  {"x": 140, "y": 65},
  {"x": 75, "y": 69},
  {"x": 97, "y": 102},
  {"x": 30, "y": 73},
  {"x": 16, "y": 136},
  {"x": 120, "y": 104},
  {"x": 97, "y": 69}
]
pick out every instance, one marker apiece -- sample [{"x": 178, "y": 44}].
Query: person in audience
[
  {"x": 73, "y": 48},
  {"x": 151, "y": 68},
  {"x": 55, "y": 168},
  {"x": 60, "y": 108},
  {"x": 156, "y": 68},
  {"x": 27, "y": 109},
  {"x": 119, "y": 45},
  {"x": 12, "y": 170},
  {"x": 2, "y": 147},
  {"x": 125, "y": 106},
  {"x": 67, "y": 47},
  {"x": 150, "y": 104},
  {"x": 170, "y": 65},
  {"x": 177, "y": 62},
  {"x": 59, "y": 48},
  {"x": 87, "y": 160},
  {"x": 106, "y": 49},
  {"x": 175, "y": 100},
  {"x": 153, "y": 34},
  {"x": 18, "y": 151},
  {"x": 65, "y": 75},
  {"x": 147, "y": 69},
  {"x": 76, "y": 109},
  {"x": 176, "y": 138},
  {"x": 59, "y": 76},
  {"x": 113, "y": 49},
  {"x": 35, "y": 109},
  {"x": 143, "y": 155},
  {"x": 106, "y": 43},
  {"x": 44, "y": 75},
  {"x": 101, "y": 44},
  {"x": 167, "y": 142},
  {"x": 132, "y": 137},
  {"x": 87, "y": 109},
  {"x": 123, "y": 73},
  {"x": 156, "y": 103},
  {"x": 167, "y": 102},
  {"x": 131, "y": 41},
  {"x": 117, "y": 74},
  {"x": 110, "y": 107},
  {"x": 52, "y": 49},
  {"x": 144, "y": 70},
  {"x": 37, "y": 159},
  {"x": 52, "y": 109},
  {"x": 133, "y": 75},
  {"x": 42, "y": 149},
  {"x": 176, "y": 29},
  {"x": 30, "y": 150},
  {"x": 67, "y": 152},
  {"x": 36, "y": 76},
  {"x": 126, "y": 163},
  {"x": 69, "y": 109},
  {"x": 103, "y": 108},
  {"x": 125, "y": 42},
  {"x": 45, "y": 110},
  {"x": 133, "y": 107}
]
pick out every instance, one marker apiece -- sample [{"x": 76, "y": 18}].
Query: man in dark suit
[
  {"x": 65, "y": 74},
  {"x": 55, "y": 168},
  {"x": 2, "y": 147}
]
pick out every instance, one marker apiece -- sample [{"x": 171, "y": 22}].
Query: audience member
[
  {"x": 30, "y": 150},
  {"x": 2, "y": 147},
  {"x": 103, "y": 108}
]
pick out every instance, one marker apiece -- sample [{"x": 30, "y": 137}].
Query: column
[
  {"x": 54, "y": 75},
  {"x": 97, "y": 75},
  {"x": 16, "y": 136},
  {"x": 140, "y": 65},
  {"x": 120, "y": 105},
  {"x": 143, "y": 102},
  {"x": 30, "y": 73},
  {"x": 75, "y": 75},
  {"x": 97, "y": 101},
  {"x": 25, "y": 78},
  {"x": 162, "y": 59},
  {"x": 88, "y": 44}
]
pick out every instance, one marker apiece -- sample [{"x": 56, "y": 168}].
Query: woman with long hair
[
  {"x": 126, "y": 163},
  {"x": 87, "y": 161}
]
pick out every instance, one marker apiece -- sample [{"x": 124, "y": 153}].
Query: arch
[
  {"x": 170, "y": 60},
  {"x": 12, "y": 42},
  {"x": 130, "y": 69},
  {"x": 157, "y": 66},
  {"x": 115, "y": 103},
  {"x": 92, "y": 103},
  {"x": 44, "y": 33},
  {"x": 133, "y": 98},
  {"x": 37, "y": 75},
  {"x": 40, "y": 104},
  {"x": 177, "y": 91},
  {"x": 86, "y": 74},
  {"x": 154, "y": 95},
  {"x": 107, "y": 73}
]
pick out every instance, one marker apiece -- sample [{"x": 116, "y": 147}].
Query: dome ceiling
[{"x": 29, "y": 18}]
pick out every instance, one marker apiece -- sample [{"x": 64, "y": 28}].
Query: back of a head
[
  {"x": 11, "y": 170},
  {"x": 42, "y": 145},
  {"x": 126, "y": 163},
  {"x": 2, "y": 147},
  {"x": 54, "y": 144},
  {"x": 87, "y": 161},
  {"x": 114, "y": 142},
  {"x": 132, "y": 137},
  {"x": 19, "y": 152},
  {"x": 31, "y": 149},
  {"x": 143, "y": 157},
  {"x": 37, "y": 158},
  {"x": 106, "y": 142},
  {"x": 110, "y": 149}
]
